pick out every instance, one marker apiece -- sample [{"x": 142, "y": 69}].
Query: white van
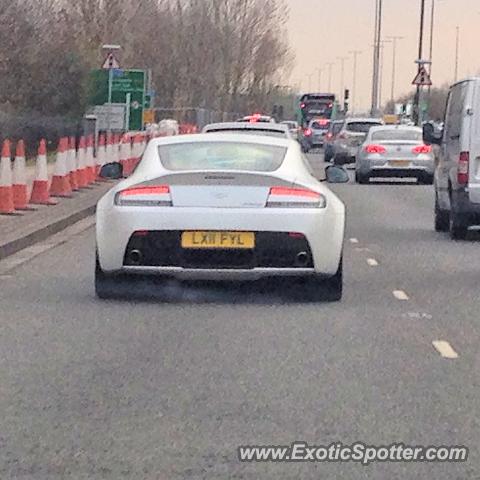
[{"x": 457, "y": 174}]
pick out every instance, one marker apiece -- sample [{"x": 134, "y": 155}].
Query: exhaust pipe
[
  {"x": 302, "y": 259},
  {"x": 136, "y": 257}
]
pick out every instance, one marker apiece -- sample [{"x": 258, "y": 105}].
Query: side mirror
[
  {"x": 336, "y": 174},
  {"x": 113, "y": 171},
  {"x": 430, "y": 136}
]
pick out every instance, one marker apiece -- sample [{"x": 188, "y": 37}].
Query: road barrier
[{"x": 74, "y": 169}]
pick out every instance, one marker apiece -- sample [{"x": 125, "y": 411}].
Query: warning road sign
[
  {"x": 423, "y": 78},
  {"x": 111, "y": 62}
]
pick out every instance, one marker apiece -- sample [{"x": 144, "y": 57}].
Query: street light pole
[
  {"x": 355, "y": 54},
  {"x": 457, "y": 50},
  {"x": 320, "y": 71},
  {"x": 394, "y": 39},
  {"x": 330, "y": 65},
  {"x": 342, "y": 78},
  {"x": 417, "y": 113},
  {"x": 376, "y": 55}
]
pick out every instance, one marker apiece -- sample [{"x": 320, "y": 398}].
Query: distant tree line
[
  {"x": 217, "y": 54},
  {"x": 436, "y": 100}
]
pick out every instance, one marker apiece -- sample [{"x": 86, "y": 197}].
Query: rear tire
[
  {"x": 107, "y": 286},
  {"x": 330, "y": 290},
  {"x": 362, "y": 179},
  {"x": 425, "y": 179},
  {"x": 458, "y": 227},
  {"x": 442, "y": 218}
]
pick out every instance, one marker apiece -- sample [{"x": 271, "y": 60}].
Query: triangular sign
[
  {"x": 422, "y": 78},
  {"x": 111, "y": 62}
]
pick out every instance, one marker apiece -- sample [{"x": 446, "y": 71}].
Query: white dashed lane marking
[
  {"x": 354, "y": 240},
  {"x": 400, "y": 295},
  {"x": 372, "y": 262},
  {"x": 445, "y": 349}
]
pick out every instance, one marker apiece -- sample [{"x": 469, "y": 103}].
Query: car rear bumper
[
  {"x": 215, "y": 274},
  {"x": 322, "y": 229},
  {"x": 381, "y": 168}
]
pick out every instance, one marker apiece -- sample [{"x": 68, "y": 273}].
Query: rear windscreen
[
  {"x": 320, "y": 125},
  {"x": 253, "y": 131},
  {"x": 222, "y": 156},
  {"x": 398, "y": 134},
  {"x": 361, "y": 127}
]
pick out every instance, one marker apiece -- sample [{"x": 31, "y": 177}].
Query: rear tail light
[
  {"x": 422, "y": 149},
  {"x": 329, "y": 135},
  {"x": 375, "y": 149},
  {"x": 463, "y": 168},
  {"x": 145, "y": 196},
  {"x": 307, "y": 132},
  {"x": 285, "y": 197}
]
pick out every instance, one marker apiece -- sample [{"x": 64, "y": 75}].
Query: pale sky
[{"x": 320, "y": 31}]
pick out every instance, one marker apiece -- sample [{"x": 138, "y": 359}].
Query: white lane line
[
  {"x": 354, "y": 240},
  {"x": 400, "y": 295},
  {"x": 372, "y": 262},
  {"x": 445, "y": 349}
]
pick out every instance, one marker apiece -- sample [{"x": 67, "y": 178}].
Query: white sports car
[{"x": 221, "y": 207}]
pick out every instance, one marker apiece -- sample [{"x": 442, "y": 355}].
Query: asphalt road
[{"x": 143, "y": 389}]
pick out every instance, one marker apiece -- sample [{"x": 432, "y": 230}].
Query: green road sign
[{"x": 124, "y": 82}]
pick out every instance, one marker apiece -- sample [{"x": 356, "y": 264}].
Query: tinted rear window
[
  {"x": 397, "y": 134},
  {"x": 254, "y": 131},
  {"x": 361, "y": 127},
  {"x": 222, "y": 156},
  {"x": 320, "y": 125}
]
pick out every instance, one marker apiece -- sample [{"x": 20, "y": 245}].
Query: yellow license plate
[
  {"x": 399, "y": 163},
  {"x": 220, "y": 240}
]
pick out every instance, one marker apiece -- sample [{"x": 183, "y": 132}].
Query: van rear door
[{"x": 473, "y": 102}]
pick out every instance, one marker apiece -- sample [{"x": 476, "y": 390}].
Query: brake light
[
  {"x": 329, "y": 135},
  {"x": 286, "y": 197},
  {"x": 375, "y": 149},
  {"x": 307, "y": 132},
  {"x": 145, "y": 195},
  {"x": 463, "y": 168},
  {"x": 422, "y": 149},
  {"x": 302, "y": 105}
]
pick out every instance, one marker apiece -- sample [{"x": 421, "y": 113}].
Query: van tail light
[
  {"x": 463, "y": 168},
  {"x": 286, "y": 197},
  {"x": 422, "y": 149},
  {"x": 144, "y": 196},
  {"x": 307, "y": 132},
  {"x": 375, "y": 149}
]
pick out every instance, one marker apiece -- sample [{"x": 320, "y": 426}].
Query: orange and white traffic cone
[
  {"x": 81, "y": 167},
  {"x": 72, "y": 164},
  {"x": 20, "y": 189},
  {"x": 40, "y": 192},
  {"x": 109, "y": 149},
  {"x": 137, "y": 149},
  {"x": 90, "y": 161},
  {"x": 60, "y": 182},
  {"x": 7, "y": 206},
  {"x": 101, "y": 158},
  {"x": 125, "y": 155}
]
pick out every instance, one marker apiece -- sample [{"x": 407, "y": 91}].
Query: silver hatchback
[{"x": 395, "y": 151}]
